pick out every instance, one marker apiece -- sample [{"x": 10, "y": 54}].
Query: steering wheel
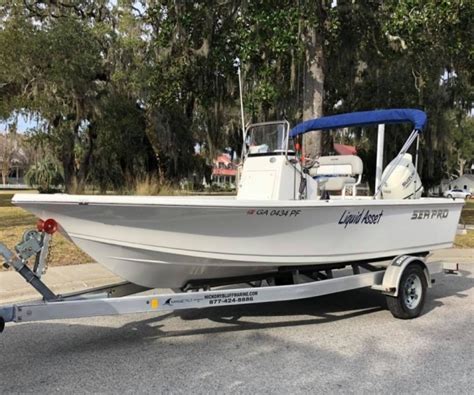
[{"x": 310, "y": 163}]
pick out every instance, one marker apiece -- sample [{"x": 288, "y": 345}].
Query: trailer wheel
[
  {"x": 2, "y": 324},
  {"x": 411, "y": 293},
  {"x": 284, "y": 279}
]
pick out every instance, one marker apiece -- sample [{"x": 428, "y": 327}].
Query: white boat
[{"x": 288, "y": 214}]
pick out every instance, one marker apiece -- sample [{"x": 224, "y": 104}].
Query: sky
[{"x": 23, "y": 125}]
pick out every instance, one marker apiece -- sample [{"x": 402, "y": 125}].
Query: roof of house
[
  {"x": 17, "y": 154},
  {"x": 224, "y": 172},
  {"x": 465, "y": 178},
  {"x": 343, "y": 149},
  {"x": 223, "y": 158},
  {"x": 228, "y": 170}
]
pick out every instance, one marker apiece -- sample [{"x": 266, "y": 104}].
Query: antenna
[{"x": 237, "y": 65}]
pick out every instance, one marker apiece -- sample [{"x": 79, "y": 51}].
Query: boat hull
[{"x": 166, "y": 242}]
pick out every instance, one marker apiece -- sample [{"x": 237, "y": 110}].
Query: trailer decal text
[{"x": 231, "y": 297}]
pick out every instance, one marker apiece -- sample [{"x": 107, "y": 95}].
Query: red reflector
[
  {"x": 50, "y": 226},
  {"x": 40, "y": 225}
]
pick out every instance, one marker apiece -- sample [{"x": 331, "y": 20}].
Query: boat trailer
[{"x": 403, "y": 280}]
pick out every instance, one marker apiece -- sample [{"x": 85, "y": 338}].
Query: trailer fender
[
  {"x": 394, "y": 271},
  {"x": 7, "y": 314}
]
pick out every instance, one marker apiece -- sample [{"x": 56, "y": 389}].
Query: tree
[
  {"x": 157, "y": 77},
  {"x": 10, "y": 150},
  {"x": 313, "y": 34},
  {"x": 403, "y": 54},
  {"x": 61, "y": 83},
  {"x": 433, "y": 42},
  {"x": 71, "y": 82},
  {"x": 462, "y": 143},
  {"x": 7, "y": 150}
]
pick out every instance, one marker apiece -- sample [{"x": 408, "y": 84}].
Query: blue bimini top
[{"x": 416, "y": 117}]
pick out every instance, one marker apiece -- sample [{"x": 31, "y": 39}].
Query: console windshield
[{"x": 267, "y": 138}]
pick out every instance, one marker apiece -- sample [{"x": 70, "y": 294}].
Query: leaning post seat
[{"x": 336, "y": 172}]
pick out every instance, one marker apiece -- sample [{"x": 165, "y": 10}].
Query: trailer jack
[{"x": 34, "y": 243}]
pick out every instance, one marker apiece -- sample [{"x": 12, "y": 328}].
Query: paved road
[{"x": 339, "y": 343}]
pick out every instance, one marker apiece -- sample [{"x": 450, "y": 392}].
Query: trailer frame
[{"x": 122, "y": 298}]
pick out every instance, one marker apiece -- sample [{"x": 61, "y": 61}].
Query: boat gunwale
[{"x": 213, "y": 202}]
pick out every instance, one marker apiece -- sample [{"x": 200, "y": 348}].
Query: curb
[{"x": 60, "y": 279}]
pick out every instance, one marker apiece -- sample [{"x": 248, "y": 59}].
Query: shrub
[{"x": 46, "y": 175}]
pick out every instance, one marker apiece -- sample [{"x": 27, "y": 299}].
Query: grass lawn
[
  {"x": 467, "y": 216},
  {"x": 7, "y": 194},
  {"x": 468, "y": 213},
  {"x": 465, "y": 241},
  {"x": 15, "y": 221},
  {"x": 5, "y": 199},
  {"x": 470, "y": 204}
]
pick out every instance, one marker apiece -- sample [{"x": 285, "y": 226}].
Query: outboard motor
[{"x": 403, "y": 182}]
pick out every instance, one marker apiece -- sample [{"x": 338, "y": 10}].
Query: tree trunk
[
  {"x": 7, "y": 146},
  {"x": 461, "y": 164},
  {"x": 313, "y": 89},
  {"x": 157, "y": 124},
  {"x": 85, "y": 163},
  {"x": 4, "y": 177},
  {"x": 67, "y": 159}
]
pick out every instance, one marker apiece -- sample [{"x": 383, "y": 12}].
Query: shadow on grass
[
  {"x": 17, "y": 218},
  {"x": 5, "y": 200},
  {"x": 11, "y": 216},
  {"x": 467, "y": 216}
]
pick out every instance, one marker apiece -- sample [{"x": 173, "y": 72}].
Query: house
[
  {"x": 13, "y": 160},
  {"x": 343, "y": 149},
  {"x": 224, "y": 171},
  {"x": 466, "y": 181}
]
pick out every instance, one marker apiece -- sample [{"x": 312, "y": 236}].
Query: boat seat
[
  {"x": 337, "y": 183},
  {"x": 336, "y": 172}
]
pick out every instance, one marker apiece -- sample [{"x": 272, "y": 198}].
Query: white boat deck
[{"x": 218, "y": 201}]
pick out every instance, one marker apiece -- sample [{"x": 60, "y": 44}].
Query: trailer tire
[
  {"x": 411, "y": 293},
  {"x": 2, "y": 324},
  {"x": 284, "y": 279}
]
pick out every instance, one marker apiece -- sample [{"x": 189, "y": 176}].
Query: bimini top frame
[{"x": 416, "y": 117}]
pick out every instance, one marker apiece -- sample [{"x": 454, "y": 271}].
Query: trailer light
[
  {"x": 50, "y": 226},
  {"x": 40, "y": 225}
]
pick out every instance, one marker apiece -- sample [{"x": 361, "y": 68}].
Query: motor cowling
[{"x": 403, "y": 182}]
